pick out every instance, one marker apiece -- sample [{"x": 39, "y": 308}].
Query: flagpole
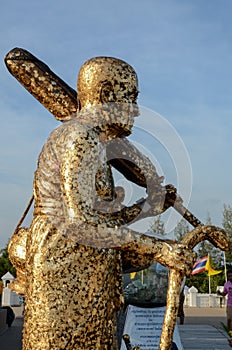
[
  {"x": 208, "y": 273},
  {"x": 209, "y": 279},
  {"x": 224, "y": 255}
]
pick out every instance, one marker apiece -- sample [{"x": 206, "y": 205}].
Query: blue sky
[{"x": 182, "y": 52}]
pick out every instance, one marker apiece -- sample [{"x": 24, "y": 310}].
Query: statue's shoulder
[
  {"x": 69, "y": 127},
  {"x": 73, "y": 130}
]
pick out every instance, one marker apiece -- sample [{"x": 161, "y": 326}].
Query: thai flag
[{"x": 199, "y": 265}]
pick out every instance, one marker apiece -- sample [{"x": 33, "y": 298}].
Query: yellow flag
[
  {"x": 210, "y": 270},
  {"x": 132, "y": 275}
]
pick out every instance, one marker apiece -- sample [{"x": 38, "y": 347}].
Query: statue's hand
[
  {"x": 177, "y": 256},
  {"x": 171, "y": 196},
  {"x": 162, "y": 198}
]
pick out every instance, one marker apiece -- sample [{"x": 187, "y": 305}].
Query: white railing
[{"x": 195, "y": 299}]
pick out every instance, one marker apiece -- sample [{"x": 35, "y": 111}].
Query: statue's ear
[
  {"x": 107, "y": 92},
  {"x": 78, "y": 104}
]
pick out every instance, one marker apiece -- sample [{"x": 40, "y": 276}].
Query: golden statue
[{"x": 78, "y": 243}]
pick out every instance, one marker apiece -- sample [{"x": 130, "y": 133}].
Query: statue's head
[
  {"x": 111, "y": 82},
  {"x": 106, "y": 79}
]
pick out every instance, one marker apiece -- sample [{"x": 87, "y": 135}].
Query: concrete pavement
[
  {"x": 203, "y": 337},
  {"x": 203, "y": 330},
  {"x": 11, "y": 338}
]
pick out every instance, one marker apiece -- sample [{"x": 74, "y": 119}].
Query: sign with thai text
[{"x": 144, "y": 326}]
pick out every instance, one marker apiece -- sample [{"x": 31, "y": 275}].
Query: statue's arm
[
  {"x": 133, "y": 262},
  {"x": 89, "y": 227},
  {"x": 169, "y": 253},
  {"x": 137, "y": 168}
]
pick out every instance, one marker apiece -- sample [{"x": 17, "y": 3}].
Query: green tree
[
  {"x": 157, "y": 226},
  {"x": 207, "y": 248},
  {"x": 201, "y": 282},
  {"x": 181, "y": 229},
  {"x": 5, "y": 264}
]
